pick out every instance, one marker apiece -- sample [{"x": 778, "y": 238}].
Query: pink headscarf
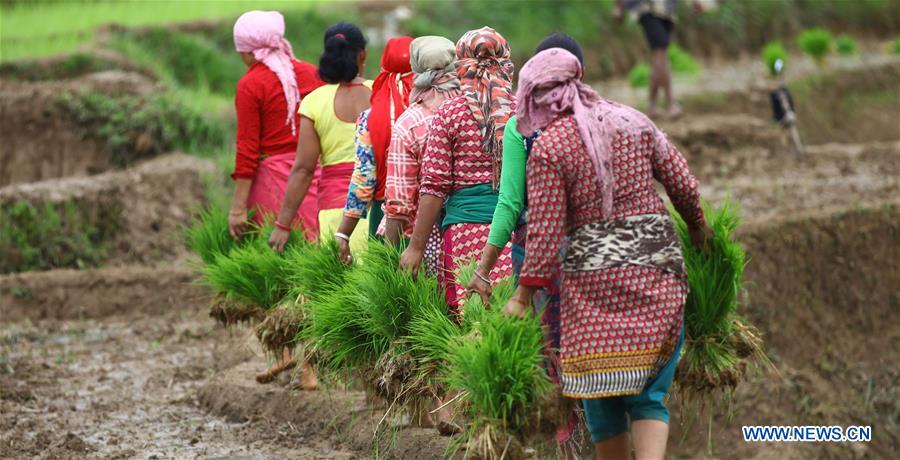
[
  {"x": 262, "y": 33},
  {"x": 549, "y": 86}
]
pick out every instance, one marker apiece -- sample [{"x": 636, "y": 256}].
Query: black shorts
[{"x": 657, "y": 30}]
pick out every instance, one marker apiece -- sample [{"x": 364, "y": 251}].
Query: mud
[
  {"x": 153, "y": 201},
  {"x": 41, "y": 141}
]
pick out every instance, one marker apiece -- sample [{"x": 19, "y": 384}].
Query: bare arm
[{"x": 308, "y": 152}]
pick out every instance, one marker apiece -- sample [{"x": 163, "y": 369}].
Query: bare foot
[
  {"x": 307, "y": 380},
  {"x": 448, "y": 428},
  {"x": 653, "y": 112},
  {"x": 287, "y": 362},
  {"x": 675, "y": 111}
]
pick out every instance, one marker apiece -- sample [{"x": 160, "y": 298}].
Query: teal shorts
[{"x": 608, "y": 417}]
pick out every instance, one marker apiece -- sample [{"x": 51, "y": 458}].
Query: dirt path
[{"x": 125, "y": 387}]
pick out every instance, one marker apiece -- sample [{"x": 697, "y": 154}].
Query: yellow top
[{"x": 336, "y": 136}]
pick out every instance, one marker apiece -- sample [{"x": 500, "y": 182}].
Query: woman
[
  {"x": 390, "y": 96},
  {"x": 327, "y": 127},
  {"x": 510, "y": 214},
  {"x": 590, "y": 178},
  {"x": 461, "y": 163},
  {"x": 432, "y": 60},
  {"x": 266, "y": 105}
]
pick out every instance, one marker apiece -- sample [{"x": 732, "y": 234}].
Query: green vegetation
[
  {"x": 251, "y": 273},
  {"x": 771, "y": 53},
  {"x": 720, "y": 342},
  {"x": 639, "y": 77},
  {"x": 846, "y": 45},
  {"x": 35, "y": 29},
  {"x": 895, "y": 46},
  {"x": 682, "y": 62},
  {"x": 208, "y": 235},
  {"x": 66, "y": 67},
  {"x": 53, "y": 236},
  {"x": 816, "y": 43},
  {"x": 133, "y": 127},
  {"x": 314, "y": 269}
]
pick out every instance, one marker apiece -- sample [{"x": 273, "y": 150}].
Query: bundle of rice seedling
[
  {"x": 208, "y": 234},
  {"x": 815, "y": 42},
  {"x": 250, "y": 280},
  {"x": 720, "y": 345},
  {"x": 497, "y": 369},
  {"x": 312, "y": 270}
]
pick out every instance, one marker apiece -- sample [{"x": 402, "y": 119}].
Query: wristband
[
  {"x": 342, "y": 236},
  {"x": 482, "y": 277},
  {"x": 281, "y": 226}
]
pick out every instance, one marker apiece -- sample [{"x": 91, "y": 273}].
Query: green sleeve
[{"x": 511, "y": 201}]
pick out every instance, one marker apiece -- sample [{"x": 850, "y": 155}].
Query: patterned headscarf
[
  {"x": 390, "y": 97},
  {"x": 485, "y": 71},
  {"x": 262, "y": 33},
  {"x": 550, "y": 85},
  {"x": 432, "y": 60}
]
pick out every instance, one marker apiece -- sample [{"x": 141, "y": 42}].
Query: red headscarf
[{"x": 390, "y": 96}]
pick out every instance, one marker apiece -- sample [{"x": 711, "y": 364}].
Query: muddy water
[{"x": 125, "y": 388}]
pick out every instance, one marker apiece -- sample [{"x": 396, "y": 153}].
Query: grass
[
  {"x": 895, "y": 46},
  {"x": 54, "y": 236},
  {"x": 70, "y": 66},
  {"x": 36, "y": 29},
  {"x": 771, "y": 53},
  {"x": 639, "y": 76},
  {"x": 815, "y": 42},
  {"x": 133, "y": 127},
  {"x": 682, "y": 62}
]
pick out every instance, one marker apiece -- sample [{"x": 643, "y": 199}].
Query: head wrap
[
  {"x": 549, "y": 86},
  {"x": 432, "y": 61},
  {"x": 485, "y": 71},
  {"x": 262, "y": 33},
  {"x": 390, "y": 97}
]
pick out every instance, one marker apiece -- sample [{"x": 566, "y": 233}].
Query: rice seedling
[
  {"x": 335, "y": 332},
  {"x": 895, "y": 46},
  {"x": 313, "y": 269},
  {"x": 720, "y": 344},
  {"x": 208, "y": 234},
  {"x": 816, "y": 43},
  {"x": 846, "y": 45},
  {"x": 771, "y": 53},
  {"x": 639, "y": 76},
  {"x": 497, "y": 369},
  {"x": 682, "y": 62}
]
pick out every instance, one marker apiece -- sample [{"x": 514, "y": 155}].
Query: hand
[
  {"x": 237, "y": 223},
  {"x": 278, "y": 239},
  {"x": 516, "y": 307},
  {"x": 411, "y": 259},
  {"x": 476, "y": 284},
  {"x": 701, "y": 237},
  {"x": 344, "y": 254}
]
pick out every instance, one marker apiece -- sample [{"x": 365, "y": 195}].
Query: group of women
[{"x": 554, "y": 183}]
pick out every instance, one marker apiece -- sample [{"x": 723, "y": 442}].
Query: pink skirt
[
  {"x": 462, "y": 244},
  {"x": 267, "y": 193}
]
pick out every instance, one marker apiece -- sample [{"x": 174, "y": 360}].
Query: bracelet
[
  {"x": 482, "y": 277},
  {"x": 281, "y": 226},
  {"x": 342, "y": 236}
]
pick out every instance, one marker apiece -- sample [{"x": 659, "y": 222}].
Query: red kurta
[{"x": 260, "y": 106}]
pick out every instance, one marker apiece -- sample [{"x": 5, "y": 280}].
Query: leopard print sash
[{"x": 648, "y": 240}]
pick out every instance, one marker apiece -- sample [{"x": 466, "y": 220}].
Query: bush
[
  {"x": 53, "y": 236},
  {"x": 682, "y": 62},
  {"x": 133, "y": 127},
  {"x": 846, "y": 46},
  {"x": 639, "y": 77},
  {"x": 771, "y": 53},
  {"x": 816, "y": 43}
]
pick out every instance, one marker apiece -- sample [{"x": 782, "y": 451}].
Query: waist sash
[
  {"x": 649, "y": 240},
  {"x": 471, "y": 205},
  {"x": 333, "y": 185}
]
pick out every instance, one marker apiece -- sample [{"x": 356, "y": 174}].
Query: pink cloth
[
  {"x": 333, "y": 186},
  {"x": 268, "y": 191},
  {"x": 262, "y": 33},
  {"x": 550, "y": 85}
]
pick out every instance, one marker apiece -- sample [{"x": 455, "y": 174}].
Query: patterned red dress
[
  {"x": 453, "y": 160},
  {"x": 620, "y": 322}
]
